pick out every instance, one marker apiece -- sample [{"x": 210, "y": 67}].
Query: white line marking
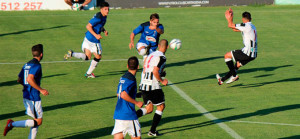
[
  {"x": 205, "y": 112},
  {"x": 266, "y": 123},
  {"x": 106, "y": 60}
]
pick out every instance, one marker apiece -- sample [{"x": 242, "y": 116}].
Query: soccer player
[
  {"x": 83, "y": 2},
  {"x": 150, "y": 33},
  {"x": 247, "y": 53},
  {"x": 30, "y": 77},
  {"x": 126, "y": 120},
  {"x": 151, "y": 90},
  {"x": 91, "y": 43}
]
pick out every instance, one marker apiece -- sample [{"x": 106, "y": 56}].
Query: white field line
[
  {"x": 105, "y": 60},
  {"x": 208, "y": 115},
  {"x": 265, "y": 123}
]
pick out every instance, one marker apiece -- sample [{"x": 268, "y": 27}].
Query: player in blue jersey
[
  {"x": 126, "y": 120},
  {"x": 30, "y": 77},
  {"x": 150, "y": 33},
  {"x": 91, "y": 43}
]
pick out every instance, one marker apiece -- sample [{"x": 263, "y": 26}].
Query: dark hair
[
  {"x": 133, "y": 63},
  {"x": 104, "y": 4},
  {"x": 154, "y": 16},
  {"x": 247, "y": 15},
  {"x": 37, "y": 50},
  {"x": 163, "y": 43}
]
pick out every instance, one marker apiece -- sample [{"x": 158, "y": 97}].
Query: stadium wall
[{"x": 121, "y": 4}]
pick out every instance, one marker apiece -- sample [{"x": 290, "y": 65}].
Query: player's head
[
  {"x": 163, "y": 45},
  {"x": 37, "y": 51},
  {"x": 104, "y": 8},
  {"x": 154, "y": 19},
  {"x": 133, "y": 63},
  {"x": 246, "y": 17}
]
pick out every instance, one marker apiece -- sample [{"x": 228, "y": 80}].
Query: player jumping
[
  {"x": 247, "y": 53},
  {"x": 91, "y": 43},
  {"x": 150, "y": 33}
]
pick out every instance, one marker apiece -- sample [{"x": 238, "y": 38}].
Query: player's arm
[
  {"x": 30, "y": 79},
  {"x": 229, "y": 18},
  {"x": 157, "y": 76},
  {"x": 127, "y": 98},
  {"x": 20, "y": 81},
  {"x": 160, "y": 29},
  {"x": 131, "y": 44},
  {"x": 89, "y": 27},
  {"x": 105, "y": 31}
]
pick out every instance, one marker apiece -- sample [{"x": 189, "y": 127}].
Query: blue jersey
[
  {"x": 97, "y": 22},
  {"x": 148, "y": 36},
  {"x": 125, "y": 110},
  {"x": 32, "y": 67}
]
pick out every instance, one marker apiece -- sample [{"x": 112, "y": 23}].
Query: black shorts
[
  {"x": 78, "y": 1},
  {"x": 241, "y": 57},
  {"x": 157, "y": 97}
]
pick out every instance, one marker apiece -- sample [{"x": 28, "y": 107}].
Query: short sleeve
[
  {"x": 138, "y": 30},
  {"x": 160, "y": 26},
  {"x": 94, "y": 21},
  {"x": 35, "y": 69},
  {"x": 241, "y": 26},
  {"x": 125, "y": 85},
  {"x": 155, "y": 61},
  {"x": 21, "y": 73}
]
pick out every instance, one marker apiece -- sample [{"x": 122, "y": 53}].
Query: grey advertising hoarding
[{"x": 121, "y": 4}]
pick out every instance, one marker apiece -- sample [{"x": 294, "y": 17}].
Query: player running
[
  {"x": 247, "y": 53},
  {"x": 150, "y": 87},
  {"x": 150, "y": 33},
  {"x": 126, "y": 120},
  {"x": 30, "y": 77},
  {"x": 91, "y": 43}
]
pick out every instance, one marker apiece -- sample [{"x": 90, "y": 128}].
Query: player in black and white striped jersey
[
  {"x": 247, "y": 53},
  {"x": 151, "y": 90}
]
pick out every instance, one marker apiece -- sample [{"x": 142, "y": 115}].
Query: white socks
[
  {"x": 25, "y": 123},
  {"x": 79, "y": 55},
  {"x": 33, "y": 131},
  {"x": 92, "y": 66},
  {"x": 158, "y": 112},
  {"x": 144, "y": 111}
]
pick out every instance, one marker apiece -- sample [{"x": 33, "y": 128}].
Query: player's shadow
[
  {"x": 291, "y": 137},
  {"x": 111, "y": 73},
  {"x": 32, "y": 30},
  {"x": 97, "y": 133},
  {"x": 54, "y": 107},
  {"x": 182, "y": 63},
  {"x": 230, "y": 118},
  {"x": 241, "y": 71},
  {"x": 265, "y": 83},
  {"x": 14, "y": 82}
]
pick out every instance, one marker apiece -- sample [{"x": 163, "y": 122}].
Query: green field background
[{"x": 268, "y": 89}]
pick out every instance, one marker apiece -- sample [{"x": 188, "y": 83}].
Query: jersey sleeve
[
  {"x": 125, "y": 85},
  {"x": 240, "y": 26},
  {"x": 160, "y": 26},
  {"x": 35, "y": 69},
  {"x": 94, "y": 21},
  {"x": 158, "y": 61},
  {"x": 138, "y": 30}
]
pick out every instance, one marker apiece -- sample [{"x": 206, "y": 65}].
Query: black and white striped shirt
[
  {"x": 149, "y": 82},
  {"x": 249, "y": 34}
]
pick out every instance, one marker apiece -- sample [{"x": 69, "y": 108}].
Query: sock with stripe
[{"x": 156, "y": 119}]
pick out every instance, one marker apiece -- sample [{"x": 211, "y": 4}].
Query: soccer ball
[
  {"x": 76, "y": 6},
  {"x": 175, "y": 44}
]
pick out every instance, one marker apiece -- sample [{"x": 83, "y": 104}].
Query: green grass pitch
[{"x": 264, "y": 103}]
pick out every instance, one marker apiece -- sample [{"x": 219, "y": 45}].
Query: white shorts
[
  {"x": 132, "y": 127},
  {"x": 33, "y": 108},
  {"x": 140, "y": 44},
  {"x": 93, "y": 47}
]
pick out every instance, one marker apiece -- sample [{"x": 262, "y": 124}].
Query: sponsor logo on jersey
[{"x": 151, "y": 39}]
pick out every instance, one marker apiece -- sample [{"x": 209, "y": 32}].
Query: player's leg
[
  {"x": 118, "y": 136},
  {"x": 69, "y": 2},
  {"x": 86, "y": 55},
  {"x": 97, "y": 51},
  {"x": 159, "y": 101},
  {"x": 147, "y": 96}
]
